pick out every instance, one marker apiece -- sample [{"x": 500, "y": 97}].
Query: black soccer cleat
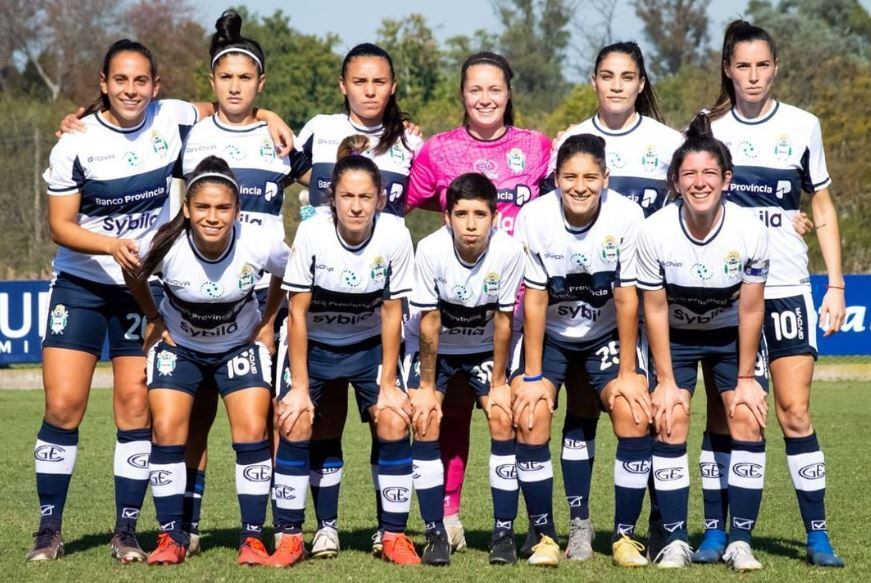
[
  {"x": 437, "y": 550},
  {"x": 503, "y": 551}
]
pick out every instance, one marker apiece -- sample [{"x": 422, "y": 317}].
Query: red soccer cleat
[
  {"x": 289, "y": 551},
  {"x": 168, "y": 552},
  {"x": 399, "y": 549},
  {"x": 253, "y": 552}
]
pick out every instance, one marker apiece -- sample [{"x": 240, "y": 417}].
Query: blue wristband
[{"x": 532, "y": 379}]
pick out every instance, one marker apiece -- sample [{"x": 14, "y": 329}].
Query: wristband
[
  {"x": 840, "y": 287},
  {"x": 750, "y": 376},
  {"x": 533, "y": 378}
]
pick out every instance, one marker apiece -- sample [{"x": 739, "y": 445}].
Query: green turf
[{"x": 842, "y": 416}]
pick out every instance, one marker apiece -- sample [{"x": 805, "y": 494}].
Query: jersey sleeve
[
  {"x": 425, "y": 295},
  {"x": 305, "y": 139},
  {"x": 534, "y": 275},
  {"x": 185, "y": 113},
  {"x": 423, "y": 179},
  {"x": 279, "y": 253},
  {"x": 649, "y": 271},
  {"x": 299, "y": 275},
  {"x": 513, "y": 276},
  {"x": 758, "y": 259},
  {"x": 65, "y": 174},
  {"x": 627, "y": 270},
  {"x": 814, "y": 173},
  {"x": 401, "y": 268}
]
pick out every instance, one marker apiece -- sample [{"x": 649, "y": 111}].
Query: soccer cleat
[
  {"x": 503, "y": 551},
  {"x": 711, "y": 548},
  {"x": 545, "y": 553},
  {"x": 377, "y": 545},
  {"x": 194, "y": 547},
  {"x": 325, "y": 544},
  {"x": 530, "y": 541},
  {"x": 580, "y": 544},
  {"x": 820, "y": 552},
  {"x": 47, "y": 546},
  {"x": 252, "y": 552},
  {"x": 399, "y": 549},
  {"x": 456, "y": 534},
  {"x": 675, "y": 555},
  {"x": 626, "y": 552},
  {"x": 739, "y": 556},
  {"x": 168, "y": 551},
  {"x": 289, "y": 551},
  {"x": 657, "y": 537},
  {"x": 437, "y": 550},
  {"x": 125, "y": 547}
]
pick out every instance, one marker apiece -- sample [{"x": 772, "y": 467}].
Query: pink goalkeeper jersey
[{"x": 516, "y": 163}]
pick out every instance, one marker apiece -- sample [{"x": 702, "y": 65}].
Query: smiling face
[
  {"x": 617, "y": 83},
  {"x": 581, "y": 180},
  {"x": 356, "y": 201},
  {"x": 485, "y": 96},
  {"x": 471, "y": 222},
  {"x": 368, "y": 84},
  {"x": 130, "y": 87},
  {"x": 212, "y": 208},
  {"x": 752, "y": 69},
  {"x": 701, "y": 182},
  {"x": 236, "y": 81}
]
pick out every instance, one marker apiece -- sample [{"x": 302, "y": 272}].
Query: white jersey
[
  {"x": 348, "y": 284},
  {"x": 702, "y": 279},
  {"x": 637, "y": 158},
  {"x": 319, "y": 140},
  {"x": 209, "y": 304},
  {"x": 465, "y": 295},
  {"x": 579, "y": 268},
  {"x": 123, "y": 176},
  {"x": 776, "y": 157}
]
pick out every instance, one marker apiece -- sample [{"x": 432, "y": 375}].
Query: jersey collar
[
  {"x": 756, "y": 120},
  {"x": 355, "y": 248},
  {"x": 223, "y": 255},
  {"x": 237, "y": 129},
  {"x": 638, "y": 119},
  {"x": 582, "y": 230},
  {"x": 365, "y": 129},
  {"x": 110, "y": 126},
  {"x": 711, "y": 236}
]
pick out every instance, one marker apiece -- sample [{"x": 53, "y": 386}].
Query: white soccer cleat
[
  {"x": 675, "y": 555},
  {"x": 456, "y": 534},
  {"x": 325, "y": 544},
  {"x": 739, "y": 556}
]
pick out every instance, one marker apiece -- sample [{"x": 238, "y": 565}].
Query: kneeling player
[
  {"x": 467, "y": 279},
  {"x": 581, "y": 307}
]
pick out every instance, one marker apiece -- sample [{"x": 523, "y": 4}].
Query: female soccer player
[
  {"x": 778, "y": 153},
  {"x": 208, "y": 330},
  {"x": 696, "y": 258},
  {"x": 581, "y": 307},
  {"x": 348, "y": 275},
  {"x": 467, "y": 278},
  {"x": 233, "y": 132},
  {"x": 516, "y": 161}
]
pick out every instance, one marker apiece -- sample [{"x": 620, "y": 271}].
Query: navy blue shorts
[
  {"x": 790, "y": 326},
  {"x": 476, "y": 368},
  {"x": 718, "y": 349},
  {"x": 261, "y": 294},
  {"x": 81, "y": 313},
  {"x": 176, "y": 367}
]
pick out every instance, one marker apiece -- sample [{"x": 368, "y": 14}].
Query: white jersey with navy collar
[
  {"x": 349, "y": 284},
  {"x": 776, "y": 157},
  {"x": 319, "y": 140},
  {"x": 637, "y": 158},
  {"x": 209, "y": 304},
  {"x": 579, "y": 268},
  {"x": 123, "y": 176},
  {"x": 702, "y": 279},
  {"x": 465, "y": 295}
]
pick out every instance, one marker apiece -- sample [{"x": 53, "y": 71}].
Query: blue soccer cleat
[
  {"x": 820, "y": 552},
  {"x": 711, "y": 548}
]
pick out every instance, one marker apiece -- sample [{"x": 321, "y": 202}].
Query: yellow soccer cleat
[
  {"x": 546, "y": 553},
  {"x": 626, "y": 552}
]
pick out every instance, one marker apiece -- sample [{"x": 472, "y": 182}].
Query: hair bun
[
  {"x": 229, "y": 26},
  {"x": 700, "y": 127},
  {"x": 353, "y": 145}
]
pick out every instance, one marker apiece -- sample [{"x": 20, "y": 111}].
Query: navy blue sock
[
  {"x": 395, "y": 480},
  {"x": 193, "y": 499},
  {"x": 807, "y": 468},
  {"x": 253, "y": 482},
  {"x": 131, "y": 475},
  {"x": 503, "y": 484},
  {"x": 631, "y": 471},
  {"x": 714, "y": 469},
  {"x": 291, "y": 482},
  {"x": 535, "y": 474},
  {"x": 671, "y": 476},
  {"x": 168, "y": 480},
  {"x": 578, "y": 453},
  {"x": 746, "y": 479},
  {"x": 429, "y": 481},
  {"x": 55, "y": 458},
  {"x": 325, "y": 477}
]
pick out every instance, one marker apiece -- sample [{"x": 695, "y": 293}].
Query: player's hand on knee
[
  {"x": 666, "y": 398},
  {"x": 391, "y": 397},
  {"x": 499, "y": 398},
  {"x": 425, "y": 407},
  {"x": 296, "y": 405},
  {"x": 525, "y": 400},
  {"x": 749, "y": 392},
  {"x": 633, "y": 388}
]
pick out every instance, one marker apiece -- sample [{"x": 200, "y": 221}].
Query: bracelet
[
  {"x": 840, "y": 287},
  {"x": 750, "y": 376},
  {"x": 532, "y": 379}
]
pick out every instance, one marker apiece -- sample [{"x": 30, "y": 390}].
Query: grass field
[{"x": 842, "y": 413}]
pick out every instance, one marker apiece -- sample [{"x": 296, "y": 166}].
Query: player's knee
[
  {"x": 391, "y": 426},
  {"x": 168, "y": 431},
  {"x": 794, "y": 418},
  {"x": 680, "y": 425},
  {"x": 432, "y": 430},
  {"x": 301, "y": 430},
  {"x": 743, "y": 425},
  {"x": 500, "y": 424},
  {"x": 65, "y": 412},
  {"x": 624, "y": 423}
]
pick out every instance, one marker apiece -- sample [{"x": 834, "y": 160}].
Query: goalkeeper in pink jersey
[{"x": 516, "y": 161}]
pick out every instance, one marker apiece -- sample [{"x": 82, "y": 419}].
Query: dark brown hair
[{"x": 738, "y": 31}]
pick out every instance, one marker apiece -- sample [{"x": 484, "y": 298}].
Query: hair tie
[
  {"x": 218, "y": 175},
  {"x": 237, "y": 50}
]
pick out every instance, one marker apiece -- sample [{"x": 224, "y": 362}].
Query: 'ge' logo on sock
[
  {"x": 748, "y": 470},
  {"x": 813, "y": 471},
  {"x": 395, "y": 494},
  {"x": 49, "y": 453}
]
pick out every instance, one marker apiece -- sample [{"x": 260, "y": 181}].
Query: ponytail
[
  {"x": 738, "y": 31},
  {"x": 699, "y": 138}
]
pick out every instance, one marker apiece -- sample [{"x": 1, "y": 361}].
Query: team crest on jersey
[
  {"x": 783, "y": 147},
  {"x": 267, "y": 152},
  {"x": 516, "y": 160},
  {"x": 581, "y": 261},
  {"x": 732, "y": 264},
  {"x": 166, "y": 362},
  {"x": 650, "y": 160},
  {"x": 59, "y": 319},
  {"x": 397, "y": 152},
  {"x": 133, "y": 159},
  {"x": 702, "y": 271},
  {"x": 615, "y": 160},
  {"x": 491, "y": 284},
  {"x": 610, "y": 251},
  {"x": 159, "y": 144},
  {"x": 461, "y": 292},
  {"x": 486, "y": 167},
  {"x": 212, "y": 289},
  {"x": 349, "y": 278},
  {"x": 747, "y": 149},
  {"x": 246, "y": 276},
  {"x": 233, "y": 152},
  {"x": 378, "y": 269}
]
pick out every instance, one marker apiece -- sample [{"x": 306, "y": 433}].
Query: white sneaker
[
  {"x": 580, "y": 544},
  {"x": 675, "y": 555},
  {"x": 194, "y": 548},
  {"x": 377, "y": 544},
  {"x": 456, "y": 534},
  {"x": 739, "y": 556},
  {"x": 325, "y": 544}
]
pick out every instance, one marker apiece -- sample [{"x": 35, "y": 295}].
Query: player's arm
[
  {"x": 667, "y": 395},
  {"x": 391, "y": 337},
  {"x": 155, "y": 327},
  {"x": 265, "y": 331},
  {"x": 501, "y": 347},
  {"x": 534, "y": 315},
  {"x": 825, "y": 217},
  {"x": 430, "y": 328},
  {"x": 626, "y": 302},
  {"x": 298, "y": 340}
]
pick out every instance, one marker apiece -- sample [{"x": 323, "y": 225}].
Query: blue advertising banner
[{"x": 24, "y": 311}]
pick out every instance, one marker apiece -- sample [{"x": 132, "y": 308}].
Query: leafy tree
[
  {"x": 416, "y": 58},
  {"x": 678, "y": 30}
]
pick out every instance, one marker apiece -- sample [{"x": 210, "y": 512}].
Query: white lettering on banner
[
  {"x": 6, "y": 347},
  {"x": 26, "y": 314},
  {"x": 854, "y": 320}
]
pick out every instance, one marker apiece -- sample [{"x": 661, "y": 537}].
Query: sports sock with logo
[
  {"x": 167, "y": 473},
  {"x": 395, "y": 481},
  {"x": 253, "y": 482},
  {"x": 746, "y": 479},
  {"x": 132, "y": 449},
  {"x": 714, "y": 469},
  {"x": 291, "y": 482},
  {"x": 578, "y": 453},
  {"x": 807, "y": 468},
  {"x": 503, "y": 484},
  {"x": 325, "y": 474},
  {"x": 535, "y": 474},
  {"x": 193, "y": 499},
  {"x": 428, "y": 478},
  {"x": 631, "y": 470},
  {"x": 671, "y": 477},
  {"x": 55, "y": 458}
]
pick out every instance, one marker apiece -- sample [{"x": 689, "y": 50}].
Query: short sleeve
[
  {"x": 648, "y": 269},
  {"x": 305, "y": 139},
  {"x": 65, "y": 174},
  {"x": 299, "y": 275},
  {"x": 279, "y": 253},
  {"x": 814, "y": 173},
  {"x": 758, "y": 258},
  {"x": 423, "y": 180},
  {"x": 512, "y": 277},
  {"x": 425, "y": 296},
  {"x": 627, "y": 273},
  {"x": 401, "y": 267},
  {"x": 535, "y": 275},
  {"x": 185, "y": 113}
]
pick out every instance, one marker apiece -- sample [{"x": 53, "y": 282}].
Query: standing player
[
  {"x": 515, "y": 160},
  {"x": 581, "y": 307},
  {"x": 347, "y": 277},
  {"x": 467, "y": 279},
  {"x": 209, "y": 331},
  {"x": 778, "y": 153}
]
